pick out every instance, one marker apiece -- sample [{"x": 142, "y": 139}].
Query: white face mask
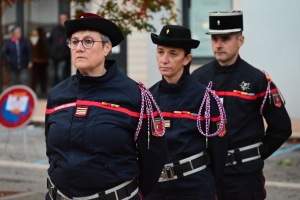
[{"x": 34, "y": 40}]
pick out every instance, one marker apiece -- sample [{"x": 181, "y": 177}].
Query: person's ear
[
  {"x": 107, "y": 48},
  {"x": 187, "y": 59},
  {"x": 241, "y": 40}
]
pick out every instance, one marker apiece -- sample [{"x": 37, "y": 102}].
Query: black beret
[
  {"x": 94, "y": 22},
  {"x": 175, "y": 36}
]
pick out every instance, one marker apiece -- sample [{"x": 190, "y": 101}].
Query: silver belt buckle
[
  {"x": 167, "y": 173},
  {"x": 230, "y": 158}
]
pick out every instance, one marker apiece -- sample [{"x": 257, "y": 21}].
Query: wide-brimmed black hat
[
  {"x": 175, "y": 36},
  {"x": 225, "y": 22},
  {"x": 94, "y": 22}
]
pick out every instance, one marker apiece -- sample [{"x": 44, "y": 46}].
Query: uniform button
[{"x": 58, "y": 161}]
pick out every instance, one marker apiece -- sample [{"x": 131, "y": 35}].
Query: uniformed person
[
  {"x": 249, "y": 96},
  {"x": 97, "y": 145},
  {"x": 194, "y": 167}
]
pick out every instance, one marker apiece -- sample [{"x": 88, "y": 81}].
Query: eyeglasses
[{"x": 87, "y": 43}]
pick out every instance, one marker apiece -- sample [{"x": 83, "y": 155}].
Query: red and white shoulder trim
[
  {"x": 146, "y": 99},
  {"x": 268, "y": 92}
]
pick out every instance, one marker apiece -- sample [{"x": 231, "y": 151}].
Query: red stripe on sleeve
[
  {"x": 188, "y": 116},
  {"x": 243, "y": 96},
  {"x": 99, "y": 104},
  {"x": 67, "y": 105}
]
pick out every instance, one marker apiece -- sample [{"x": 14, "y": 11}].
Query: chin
[
  {"x": 221, "y": 59},
  {"x": 164, "y": 73},
  {"x": 81, "y": 66}
]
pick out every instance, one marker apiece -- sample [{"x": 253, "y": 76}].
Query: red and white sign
[{"x": 17, "y": 106}]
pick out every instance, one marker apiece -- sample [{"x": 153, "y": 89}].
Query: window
[{"x": 196, "y": 17}]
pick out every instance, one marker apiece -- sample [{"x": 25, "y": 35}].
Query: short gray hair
[
  {"x": 105, "y": 40},
  {"x": 15, "y": 28}
]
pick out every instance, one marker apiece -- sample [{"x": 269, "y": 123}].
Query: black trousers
[
  {"x": 242, "y": 187},
  {"x": 39, "y": 76},
  {"x": 183, "y": 197},
  {"x": 138, "y": 196},
  {"x": 18, "y": 76},
  {"x": 197, "y": 186}
]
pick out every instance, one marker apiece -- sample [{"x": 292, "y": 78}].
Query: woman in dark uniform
[
  {"x": 97, "y": 144},
  {"x": 195, "y": 161}
]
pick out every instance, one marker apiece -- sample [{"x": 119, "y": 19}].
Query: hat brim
[
  {"x": 220, "y": 32},
  {"x": 100, "y": 25},
  {"x": 173, "y": 42}
]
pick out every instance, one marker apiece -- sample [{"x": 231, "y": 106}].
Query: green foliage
[
  {"x": 285, "y": 162},
  {"x": 132, "y": 13},
  {"x": 126, "y": 13}
]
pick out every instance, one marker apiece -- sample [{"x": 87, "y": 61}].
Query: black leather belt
[
  {"x": 118, "y": 194},
  {"x": 245, "y": 154},
  {"x": 184, "y": 167}
]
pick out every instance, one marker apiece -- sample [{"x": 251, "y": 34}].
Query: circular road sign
[{"x": 17, "y": 106}]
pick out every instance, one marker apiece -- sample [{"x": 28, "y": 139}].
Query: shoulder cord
[
  {"x": 268, "y": 92},
  {"x": 206, "y": 99},
  {"x": 146, "y": 102}
]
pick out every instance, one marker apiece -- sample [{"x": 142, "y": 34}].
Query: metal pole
[
  {"x": 24, "y": 141},
  {"x": 1, "y": 36},
  {"x": 20, "y": 15}
]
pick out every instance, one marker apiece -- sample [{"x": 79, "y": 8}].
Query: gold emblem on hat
[
  {"x": 218, "y": 22},
  {"x": 167, "y": 31}
]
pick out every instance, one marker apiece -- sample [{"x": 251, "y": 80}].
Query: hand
[{"x": 30, "y": 65}]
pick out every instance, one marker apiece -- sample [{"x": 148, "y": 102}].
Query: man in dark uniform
[
  {"x": 97, "y": 145},
  {"x": 248, "y": 95}
]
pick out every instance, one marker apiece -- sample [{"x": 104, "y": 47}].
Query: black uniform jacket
[
  {"x": 183, "y": 137},
  {"x": 245, "y": 124},
  {"x": 90, "y": 126}
]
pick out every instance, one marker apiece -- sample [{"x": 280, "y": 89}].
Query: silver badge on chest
[{"x": 245, "y": 86}]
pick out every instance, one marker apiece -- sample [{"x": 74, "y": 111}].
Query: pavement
[{"x": 23, "y": 163}]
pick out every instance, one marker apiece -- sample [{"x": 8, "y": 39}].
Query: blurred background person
[
  {"x": 59, "y": 52},
  {"x": 18, "y": 56},
  {"x": 38, "y": 45}
]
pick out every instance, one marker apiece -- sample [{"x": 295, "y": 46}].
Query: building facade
[{"x": 271, "y": 30}]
